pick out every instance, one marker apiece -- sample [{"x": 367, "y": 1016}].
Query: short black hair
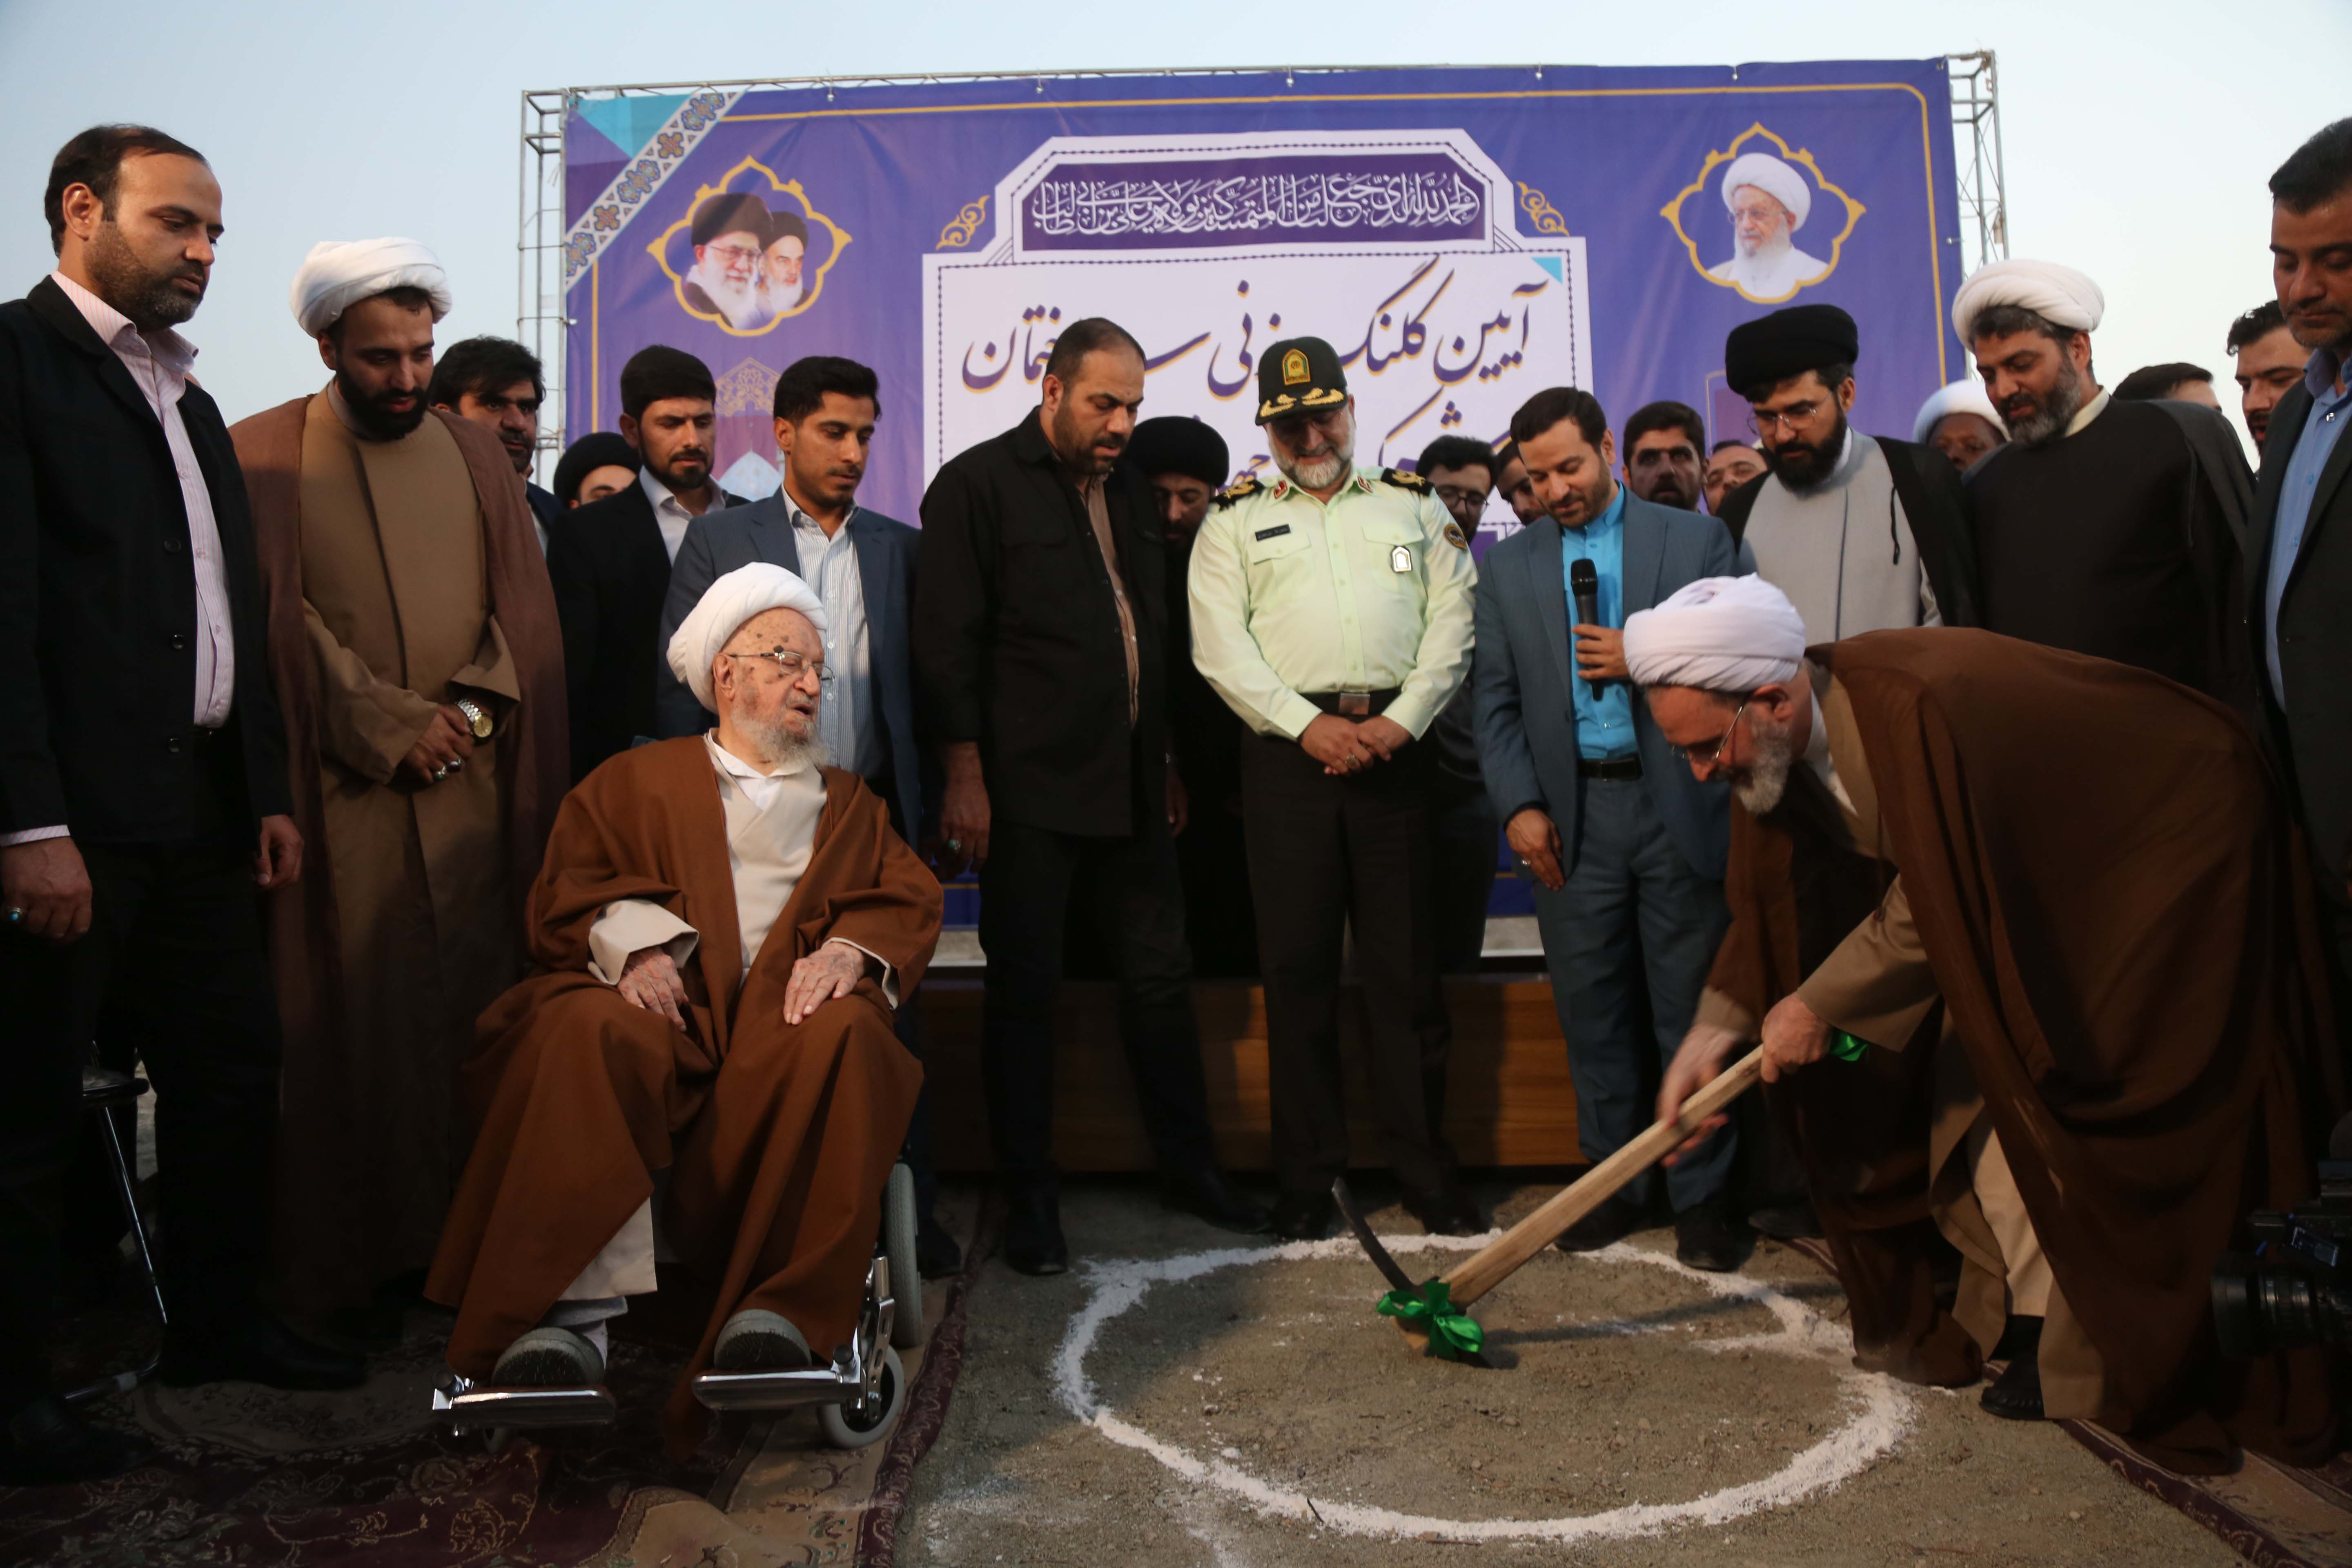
[
  {"x": 1554, "y": 404},
  {"x": 1728, "y": 443},
  {"x": 2255, "y": 325},
  {"x": 1666, "y": 415},
  {"x": 1458, "y": 452},
  {"x": 2318, "y": 171},
  {"x": 2152, "y": 383},
  {"x": 481, "y": 364},
  {"x": 1506, "y": 452},
  {"x": 95, "y": 159},
  {"x": 662, "y": 372},
  {"x": 1083, "y": 337},
  {"x": 800, "y": 391}
]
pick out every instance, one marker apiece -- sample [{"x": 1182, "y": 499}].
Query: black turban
[
  {"x": 731, "y": 213},
  {"x": 599, "y": 449},
  {"x": 1787, "y": 343},
  {"x": 787, "y": 225},
  {"x": 1178, "y": 444}
]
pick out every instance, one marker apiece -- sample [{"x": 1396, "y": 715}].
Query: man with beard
[
  {"x": 610, "y": 561},
  {"x": 1662, "y": 441},
  {"x": 1861, "y": 531},
  {"x": 731, "y": 242},
  {"x": 1041, "y": 638},
  {"x": 1331, "y": 611},
  {"x": 143, "y": 792},
  {"x": 1959, "y": 421},
  {"x": 1768, "y": 201},
  {"x": 2270, "y": 364},
  {"x": 2002, "y": 868},
  {"x": 1462, "y": 817},
  {"x": 1511, "y": 483},
  {"x": 1626, "y": 849},
  {"x": 724, "y": 926},
  {"x": 1730, "y": 464},
  {"x": 420, "y": 667},
  {"x": 1185, "y": 463},
  {"x": 2111, "y": 528},
  {"x": 781, "y": 286},
  {"x": 497, "y": 384}
]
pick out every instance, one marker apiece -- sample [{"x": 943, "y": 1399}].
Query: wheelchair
[{"x": 859, "y": 1397}]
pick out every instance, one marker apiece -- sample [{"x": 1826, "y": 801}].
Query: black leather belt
[
  {"x": 1612, "y": 768},
  {"x": 1352, "y": 704}
]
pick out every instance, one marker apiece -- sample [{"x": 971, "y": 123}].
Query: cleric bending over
[
  {"x": 2056, "y": 896},
  {"x": 730, "y": 921}
]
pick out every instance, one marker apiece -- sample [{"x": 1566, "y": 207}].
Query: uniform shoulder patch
[
  {"x": 1404, "y": 481},
  {"x": 1453, "y": 536},
  {"x": 1236, "y": 491}
]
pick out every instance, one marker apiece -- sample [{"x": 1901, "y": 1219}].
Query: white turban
[
  {"x": 1775, "y": 179},
  {"x": 1720, "y": 633},
  {"x": 1960, "y": 398},
  {"x": 2060, "y": 294},
  {"x": 721, "y": 613},
  {"x": 340, "y": 273}
]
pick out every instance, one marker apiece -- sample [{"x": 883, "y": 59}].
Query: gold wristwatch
[{"x": 477, "y": 718}]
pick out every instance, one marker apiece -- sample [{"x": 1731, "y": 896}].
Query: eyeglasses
[
  {"x": 1456, "y": 497},
  {"x": 1714, "y": 754},
  {"x": 793, "y": 665},
  {"x": 1796, "y": 414},
  {"x": 741, "y": 255}
]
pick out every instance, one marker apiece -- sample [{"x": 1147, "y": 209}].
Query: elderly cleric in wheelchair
[{"x": 722, "y": 931}]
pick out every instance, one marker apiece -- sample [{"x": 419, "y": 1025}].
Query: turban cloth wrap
[
  {"x": 1719, "y": 634},
  {"x": 1775, "y": 179},
  {"x": 1790, "y": 341},
  {"x": 1177, "y": 444},
  {"x": 2059, "y": 295},
  {"x": 720, "y": 614},
  {"x": 340, "y": 273},
  {"x": 1960, "y": 398}
]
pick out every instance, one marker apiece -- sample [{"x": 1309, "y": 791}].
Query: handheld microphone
[{"x": 1584, "y": 583}]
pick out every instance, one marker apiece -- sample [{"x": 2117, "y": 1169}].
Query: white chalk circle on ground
[{"x": 1879, "y": 1408}]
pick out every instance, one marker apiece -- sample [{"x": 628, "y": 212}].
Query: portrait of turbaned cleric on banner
[
  {"x": 1769, "y": 212},
  {"x": 751, "y": 251}
]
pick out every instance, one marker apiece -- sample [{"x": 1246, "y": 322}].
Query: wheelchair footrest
[
  {"x": 467, "y": 1405},
  {"x": 787, "y": 1390}
]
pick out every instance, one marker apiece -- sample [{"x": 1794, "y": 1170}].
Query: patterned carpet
[{"x": 248, "y": 1475}]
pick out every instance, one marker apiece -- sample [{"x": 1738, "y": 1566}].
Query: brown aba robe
[
  {"x": 399, "y": 575},
  {"x": 779, "y": 1138},
  {"x": 2092, "y": 864}
]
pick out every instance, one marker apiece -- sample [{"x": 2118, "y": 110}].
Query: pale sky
[{"x": 2138, "y": 135}]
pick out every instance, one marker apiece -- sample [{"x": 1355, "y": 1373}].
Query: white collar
[
  {"x": 2088, "y": 412},
  {"x": 171, "y": 349}
]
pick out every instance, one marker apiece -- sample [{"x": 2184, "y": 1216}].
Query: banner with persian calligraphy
[{"x": 1464, "y": 237}]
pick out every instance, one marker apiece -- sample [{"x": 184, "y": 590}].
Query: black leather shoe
[
  {"x": 1703, "y": 1239},
  {"x": 1448, "y": 1211},
  {"x": 1202, "y": 1191},
  {"x": 1792, "y": 1221},
  {"x": 2016, "y": 1394},
  {"x": 1304, "y": 1217},
  {"x": 937, "y": 1256},
  {"x": 256, "y": 1347},
  {"x": 46, "y": 1443},
  {"x": 1033, "y": 1235},
  {"x": 1613, "y": 1221}
]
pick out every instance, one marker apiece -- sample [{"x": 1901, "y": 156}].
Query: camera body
[{"x": 2295, "y": 1288}]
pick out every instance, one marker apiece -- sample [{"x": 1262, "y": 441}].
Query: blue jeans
[{"x": 1632, "y": 903}]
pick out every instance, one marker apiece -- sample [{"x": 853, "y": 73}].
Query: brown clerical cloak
[
  {"x": 372, "y": 1131},
  {"x": 779, "y": 1137},
  {"x": 2102, "y": 879}
]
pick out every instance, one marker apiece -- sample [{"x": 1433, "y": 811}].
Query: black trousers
[
  {"x": 1327, "y": 855},
  {"x": 1462, "y": 821},
  {"x": 1024, "y": 903},
  {"x": 172, "y": 972}
]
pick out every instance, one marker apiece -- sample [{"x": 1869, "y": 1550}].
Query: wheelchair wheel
[
  {"x": 898, "y": 1247},
  {"x": 843, "y": 1430}
]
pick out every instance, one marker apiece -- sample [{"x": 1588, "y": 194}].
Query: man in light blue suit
[
  {"x": 1626, "y": 847},
  {"x": 862, "y": 565}
]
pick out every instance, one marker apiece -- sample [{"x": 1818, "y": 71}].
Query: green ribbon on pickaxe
[{"x": 1451, "y": 1333}]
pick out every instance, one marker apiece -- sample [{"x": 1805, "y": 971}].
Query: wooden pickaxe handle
[{"x": 1496, "y": 1262}]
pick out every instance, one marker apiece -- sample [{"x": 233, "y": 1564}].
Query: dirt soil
[{"x": 1185, "y": 1397}]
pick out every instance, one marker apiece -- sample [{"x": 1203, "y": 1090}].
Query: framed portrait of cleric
[
  {"x": 751, "y": 252},
  {"x": 1762, "y": 219}
]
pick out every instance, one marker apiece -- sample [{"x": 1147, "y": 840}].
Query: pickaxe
[{"x": 1430, "y": 1314}]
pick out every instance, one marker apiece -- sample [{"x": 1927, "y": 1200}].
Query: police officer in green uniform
[{"x": 1331, "y": 609}]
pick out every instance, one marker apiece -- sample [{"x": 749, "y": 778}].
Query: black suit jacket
[
  {"x": 98, "y": 594},
  {"x": 610, "y": 573},
  {"x": 2314, "y": 633},
  {"x": 1017, "y": 641}
]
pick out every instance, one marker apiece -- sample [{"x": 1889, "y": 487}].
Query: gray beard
[
  {"x": 1767, "y": 776},
  {"x": 779, "y": 744},
  {"x": 1319, "y": 473},
  {"x": 2058, "y": 411}
]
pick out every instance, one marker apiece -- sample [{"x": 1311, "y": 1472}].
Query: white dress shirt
[
  {"x": 845, "y": 722},
  {"x": 158, "y": 364},
  {"x": 669, "y": 512}
]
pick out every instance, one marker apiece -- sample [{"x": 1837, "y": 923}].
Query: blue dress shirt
[
  {"x": 2322, "y": 428},
  {"x": 1604, "y": 724}
]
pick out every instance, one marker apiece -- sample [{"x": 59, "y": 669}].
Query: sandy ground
[{"x": 1184, "y": 1397}]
